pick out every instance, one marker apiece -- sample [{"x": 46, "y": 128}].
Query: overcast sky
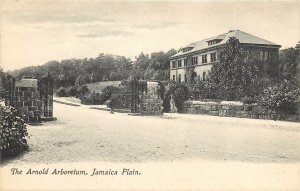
[{"x": 34, "y": 32}]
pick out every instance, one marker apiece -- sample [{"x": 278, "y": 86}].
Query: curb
[{"x": 61, "y": 102}]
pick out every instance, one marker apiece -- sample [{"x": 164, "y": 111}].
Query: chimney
[{"x": 298, "y": 52}]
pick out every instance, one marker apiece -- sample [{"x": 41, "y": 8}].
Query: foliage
[
  {"x": 153, "y": 67},
  {"x": 202, "y": 89},
  {"x": 179, "y": 92},
  {"x": 91, "y": 99},
  {"x": 104, "y": 67},
  {"x": 106, "y": 93},
  {"x": 121, "y": 101},
  {"x": 72, "y": 91},
  {"x": 71, "y": 72},
  {"x": 13, "y": 132},
  {"x": 61, "y": 92},
  {"x": 248, "y": 100},
  {"x": 6, "y": 83},
  {"x": 288, "y": 66},
  {"x": 280, "y": 97},
  {"x": 82, "y": 90},
  {"x": 83, "y": 79},
  {"x": 236, "y": 75},
  {"x": 240, "y": 72},
  {"x": 189, "y": 70}
]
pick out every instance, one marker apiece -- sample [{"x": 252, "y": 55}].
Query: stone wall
[
  {"x": 233, "y": 109},
  {"x": 27, "y": 99}
]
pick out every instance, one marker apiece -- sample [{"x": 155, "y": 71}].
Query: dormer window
[
  {"x": 187, "y": 49},
  {"x": 212, "y": 42}
]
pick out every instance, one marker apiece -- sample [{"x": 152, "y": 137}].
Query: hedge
[{"x": 13, "y": 132}]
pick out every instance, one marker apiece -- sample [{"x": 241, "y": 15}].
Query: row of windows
[
  {"x": 260, "y": 55},
  {"x": 185, "y": 77},
  {"x": 263, "y": 55},
  {"x": 211, "y": 42},
  {"x": 213, "y": 58}
]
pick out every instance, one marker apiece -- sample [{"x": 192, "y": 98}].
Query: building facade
[{"x": 203, "y": 54}]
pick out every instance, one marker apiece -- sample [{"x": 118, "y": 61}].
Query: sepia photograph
[{"x": 149, "y": 95}]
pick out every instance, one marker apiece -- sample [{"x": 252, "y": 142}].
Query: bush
[
  {"x": 72, "y": 91},
  {"x": 12, "y": 132},
  {"x": 121, "y": 102},
  {"x": 91, "y": 99},
  {"x": 61, "y": 92},
  {"x": 280, "y": 98},
  {"x": 83, "y": 90},
  {"x": 106, "y": 92},
  {"x": 179, "y": 92},
  {"x": 248, "y": 100}
]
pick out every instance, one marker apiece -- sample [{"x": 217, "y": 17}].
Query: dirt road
[
  {"x": 82, "y": 134},
  {"x": 173, "y": 152}
]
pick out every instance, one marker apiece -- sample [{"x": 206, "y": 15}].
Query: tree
[
  {"x": 288, "y": 66},
  {"x": 154, "y": 68},
  {"x": 237, "y": 74},
  {"x": 189, "y": 70},
  {"x": 179, "y": 92}
]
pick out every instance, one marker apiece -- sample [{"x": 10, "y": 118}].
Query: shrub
[
  {"x": 280, "y": 98},
  {"x": 12, "y": 132},
  {"x": 106, "y": 92},
  {"x": 83, "y": 90},
  {"x": 61, "y": 92},
  {"x": 248, "y": 100},
  {"x": 120, "y": 101},
  {"x": 179, "y": 92},
  {"x": 72, "y": 91},
  {"x": 91, "y": 99}
]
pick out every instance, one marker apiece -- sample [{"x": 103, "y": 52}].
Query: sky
[{"x": 34, "y": 31}]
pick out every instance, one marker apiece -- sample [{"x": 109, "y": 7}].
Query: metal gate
[
  {"x": 133, "y": 93},
  {"x": 45, "y": 86}
]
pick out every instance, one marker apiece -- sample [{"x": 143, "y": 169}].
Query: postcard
[{"x": 149, "y": 95}]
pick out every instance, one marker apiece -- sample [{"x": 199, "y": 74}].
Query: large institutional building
[{"x": 202, "y": 54}]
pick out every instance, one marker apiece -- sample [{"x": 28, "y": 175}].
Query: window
[
  {"x": 187, "y": 49},
  {"x": 185, "y": 78},
  {"x": 204, "y": 58},
  {"x": 266, "y": 55},
  {"x": 173, "y": 64},
  {"x": 204, "y": 75},
  {"x": 211, "y": 42},
  {"x": 213, "y": 57},
  {"x": 179, "y": 78},
  {"x": 195, "y": 60},
  {"x": 261, "y": 55},
  {"x": 179, "y": 63},
  {"x": 174, "y": 78},
  {"x": 185, "y": 62}
]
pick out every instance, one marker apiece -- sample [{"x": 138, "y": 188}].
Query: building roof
[
  {"x": 243, "y": 37},
  {"x": 298, "y": 45},
  {"x": 26, "y": 83}
]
